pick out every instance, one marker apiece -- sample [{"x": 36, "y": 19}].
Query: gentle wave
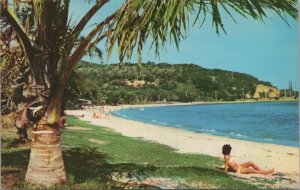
[
  {"x": 268, "y": 139},
  {"x": 238, "y": 134},
  {"x": 208, "y": 130},
  {"x": 162, "y": 123}
]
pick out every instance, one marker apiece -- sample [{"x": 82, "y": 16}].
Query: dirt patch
[
  {"x": 277, "y": 180},
  {"x": 135, "y": 83},
  {"x": 9, "y": 178},
  {"x": 144, "y": 182},
  {"x": 79, "y": 128},
  {"x": 97, "y": 141},
  {"x": 163, "y": 183}
]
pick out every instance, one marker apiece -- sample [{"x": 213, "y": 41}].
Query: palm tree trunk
[{"x": 46, "y": 166}]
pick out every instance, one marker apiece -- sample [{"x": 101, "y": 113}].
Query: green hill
[{"x": 131, "y": 84}]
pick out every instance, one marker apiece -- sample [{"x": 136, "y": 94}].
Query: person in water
[{"x": 245, "y": 168}]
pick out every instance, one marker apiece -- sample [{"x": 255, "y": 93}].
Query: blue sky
[{"x": 268, "y": 51}]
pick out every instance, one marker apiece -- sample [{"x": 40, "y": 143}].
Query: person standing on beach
[
  {"x": 102, "y": 109},
  {"x": 106, "y": 113},
  {"x": 245, "y": 168}
]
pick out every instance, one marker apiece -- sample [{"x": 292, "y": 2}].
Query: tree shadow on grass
[
  {"x": 13, "y": 167},
  {"x": 15, "y": 159},
  {"x": 87, "y": 168},
  {"x": 13, "y": 143},
  {"x": 89, "y": 165}
]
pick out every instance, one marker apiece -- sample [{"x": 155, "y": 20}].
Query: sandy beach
[{"x": 284, "y": 159}]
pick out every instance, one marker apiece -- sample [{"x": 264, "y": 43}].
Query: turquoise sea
[{"x": 269, "y": 122}]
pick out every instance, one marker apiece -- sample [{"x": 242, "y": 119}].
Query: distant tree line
[{"x": 109, "y": 84}]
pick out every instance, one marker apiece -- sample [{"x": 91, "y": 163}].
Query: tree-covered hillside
[{"x": 151, "y": 82}]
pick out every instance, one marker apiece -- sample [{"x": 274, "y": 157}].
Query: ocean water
[{"x": 269, "y": 122}]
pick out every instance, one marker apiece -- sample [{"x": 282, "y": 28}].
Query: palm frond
[
  {"x": 164, "y": 20},
  {"x": 13, "y": 20},
  {"x": 95, "y": 52}
]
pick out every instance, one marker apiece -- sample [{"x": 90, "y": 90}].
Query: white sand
[{"x": 285, "y": 159}]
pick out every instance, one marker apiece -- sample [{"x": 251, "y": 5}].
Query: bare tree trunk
[{"x": 46, "y": 166}]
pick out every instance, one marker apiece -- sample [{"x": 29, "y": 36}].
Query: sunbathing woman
[
  {"x": 245, "y": 168},
  {"x": 95, "y": 115}
]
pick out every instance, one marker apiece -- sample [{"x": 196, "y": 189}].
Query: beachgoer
[
  {"x": 95, "y": 115},
  {"x": 106, "y": 113},
  {"x": 245, "y": 168},
  {"x": 102, "y": 109}
]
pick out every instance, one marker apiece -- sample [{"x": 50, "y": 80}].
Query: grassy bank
[{"x": 97, "y": 157}]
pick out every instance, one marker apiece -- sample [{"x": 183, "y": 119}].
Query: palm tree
[{"x": 53, "y": 47}]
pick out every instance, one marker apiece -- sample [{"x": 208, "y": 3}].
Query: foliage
[
  {"x": 163, "y": 81},
  {"x": 169, "y": 20},
  {"x": 14, "y": 68},
  {"x": 130, "y": 25}
]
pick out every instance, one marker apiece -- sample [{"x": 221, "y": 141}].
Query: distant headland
[{"x": 164, "y": 82}]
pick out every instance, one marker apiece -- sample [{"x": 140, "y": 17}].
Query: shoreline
[
  {"x": 129, "y": 106},
  {"x": 158, "y": 104},
  {"x": 284, "y": 158},
  {"x": 198, "y": 132}
]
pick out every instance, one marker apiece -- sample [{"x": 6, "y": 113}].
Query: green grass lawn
[{"x": 100, "y": 158}]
